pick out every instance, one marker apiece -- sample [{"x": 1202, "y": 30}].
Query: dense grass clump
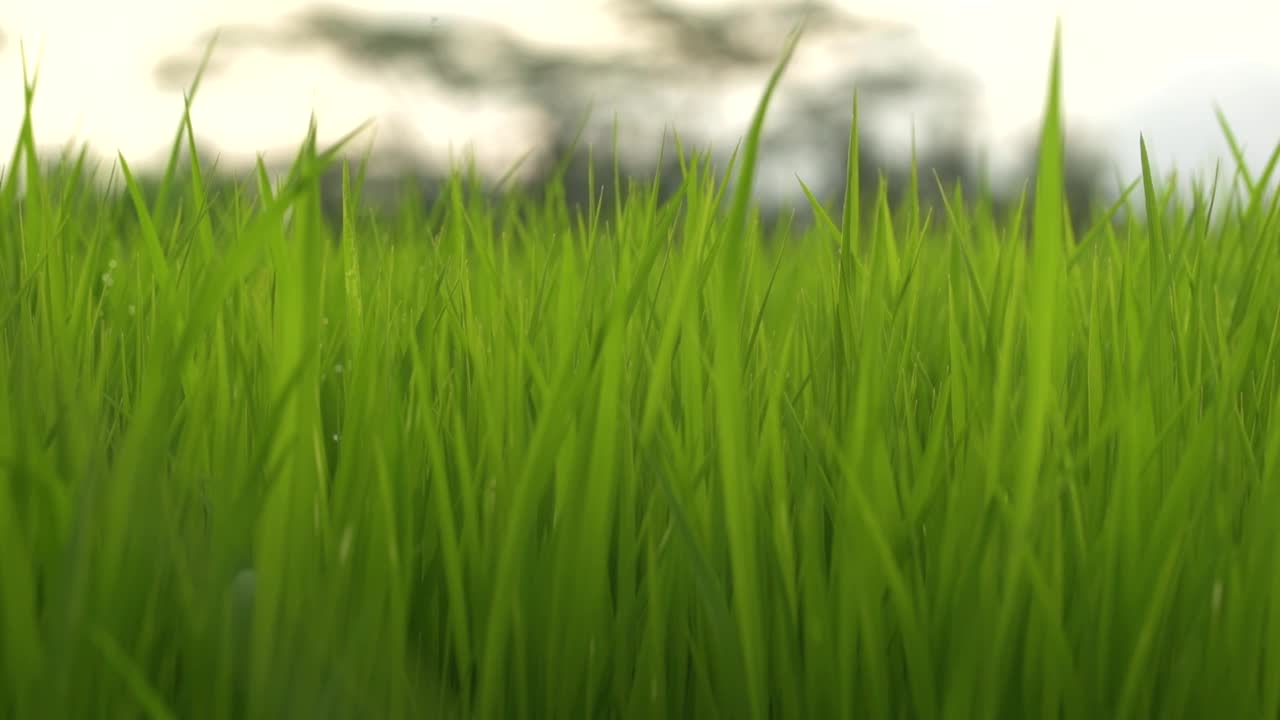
[{"x": 515, "y": 461}]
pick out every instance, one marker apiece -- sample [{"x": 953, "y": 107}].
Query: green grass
[{"x": 513, "y": 461}]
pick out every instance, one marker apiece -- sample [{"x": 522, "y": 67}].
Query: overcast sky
[{"x": 1130, "y": 66}]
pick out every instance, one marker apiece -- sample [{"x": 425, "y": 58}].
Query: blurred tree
[{"x": 687, "y": 56}]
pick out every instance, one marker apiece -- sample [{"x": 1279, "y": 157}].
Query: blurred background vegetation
[{"x": 692, "y": 54}]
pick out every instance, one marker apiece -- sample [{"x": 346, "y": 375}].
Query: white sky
[{"x": 1130, "y": 65}]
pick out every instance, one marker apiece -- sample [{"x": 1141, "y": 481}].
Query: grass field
[{"x": 509, "y": 461}]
